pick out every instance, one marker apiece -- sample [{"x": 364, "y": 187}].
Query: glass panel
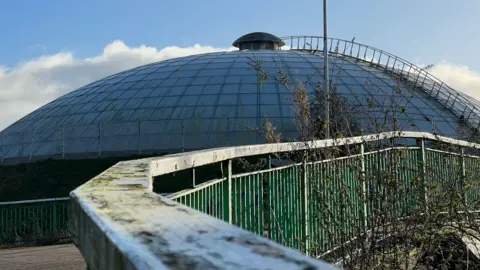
[
  {"x": 216, "y": 80},
  {"x": 244, "y": 124},
  {"x": 152, "y": 127},
  {"x": 211, "y": 89},
  {"x": 188, "y": 101},
  {"x": 225, "y": 112},
  {"x": 219, "y": 140},
  {"x": 194, "y": 90},
  {"x": 212, "y": 72},
  {"x": 183, "y": 81},
  {"x": 157, "y": 75},
  {"x": 232, "y": 79},
  {"x": 268, "y": 99},
  {"x": 151, "y": 102},
  {"x": 161, "y": 113},
  {"x": 122, "y": 116},
  {"x": 243, "y": 138},
  {"x": 114, "y": 95},
  {"x": 134, "y": 78},
  {"x": 230, "y": 88},
  {"x": 105, "y": 116},
  {"x": 248, "y": 88},
  {"x": 99, "y": 97},
  {"x": 88, "y": 118},
  {"x": 101, "y": 106},
  {"x": 215, "y": 64},
  {"x": 228, "y": 100},
  {"x": 247, "y": 99},
  {"x": 86, "y": 108},
  {"x": 176, "y": 91},
  {"x": 117, "y": 104},
  {"x": 251, "y": 79},
  {"x": 140, "y": 85},
  {"x": 169, "y": 82},
  {"x": 204, "y": 112},
  {"x": 169, "y": 101},
  {"x": 194, "y": 66},
  {"x": 268, "y": 88},
  {"x": 133, "y": 103},
  {"x": 141, "y": 114},
  {"x": 143, "y": 93},
  {"x": 269, "y": 111},
  {"x": 154, "y": 84},
  {"x": 247, "y": 111},
  {"x": 196, "y": 125},
  {"x": 184, "y": 73},
  {"x": 207, "y": 100},
  {"x": 186, "y": 113},
  {"x": 200, "y": 81}
]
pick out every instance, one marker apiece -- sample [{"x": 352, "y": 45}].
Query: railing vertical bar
[
  {"x": 424, "y": 173},
  {"x": 306, "y": 218},
  {"x": 464, "y": 184},
  {"x": 364, "y": 185},
  {"x": 229, "y": 179}
]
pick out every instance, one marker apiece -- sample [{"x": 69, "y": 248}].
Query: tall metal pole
[{"x": 326, "y": 82}]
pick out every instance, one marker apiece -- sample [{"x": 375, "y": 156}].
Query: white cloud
[
  {"x": 29, "y": 85},
  {"x": 459, "y": 77}
]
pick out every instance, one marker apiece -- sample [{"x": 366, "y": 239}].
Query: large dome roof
[{"x": 196, "y": 102}]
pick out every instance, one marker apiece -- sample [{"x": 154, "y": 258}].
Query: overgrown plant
[{"x": 397, "y": 204}]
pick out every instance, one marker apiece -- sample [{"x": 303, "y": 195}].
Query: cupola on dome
[{"x": 258, "y": 41}]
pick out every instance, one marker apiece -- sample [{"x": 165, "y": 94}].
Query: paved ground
[{"x": 48, "y": 257}]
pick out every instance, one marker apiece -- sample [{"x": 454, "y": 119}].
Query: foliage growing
[{"x": 395, "y": 205}]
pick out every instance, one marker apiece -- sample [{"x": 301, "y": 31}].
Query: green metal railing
[
  {"x": 332, "y": 201},
  {"x": 33, "y": 221}
]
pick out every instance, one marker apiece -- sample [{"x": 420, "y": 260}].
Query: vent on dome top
[{"x": 258, "y": 41}]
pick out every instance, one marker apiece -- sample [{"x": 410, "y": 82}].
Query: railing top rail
[
  {"x": 35, "y": 201},
  {"x": 408, "y": 69},
  {"x": 177, "y": 162},
  {"x": 370, "y": 47},
  {"x": 118, "y": 222}
]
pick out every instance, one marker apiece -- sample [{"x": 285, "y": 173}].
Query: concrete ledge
[{"x": 119, "y": 223}]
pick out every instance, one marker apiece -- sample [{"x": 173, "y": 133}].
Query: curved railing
[
  {"x": 460, "y": 104},
  {"x": 117, "y": 221}
]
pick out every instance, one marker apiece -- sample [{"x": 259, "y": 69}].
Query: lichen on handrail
[{"x": 117, "y": 221}]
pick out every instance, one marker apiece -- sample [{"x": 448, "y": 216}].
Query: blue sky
[
  {"x": 51, "y": 47},
  {"x": 427, "y": 31}
]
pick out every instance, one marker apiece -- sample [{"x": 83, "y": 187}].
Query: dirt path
[{"x": 48, "y": 257}]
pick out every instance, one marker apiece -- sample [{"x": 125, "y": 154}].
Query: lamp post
[{"x": 326, "y": 82}]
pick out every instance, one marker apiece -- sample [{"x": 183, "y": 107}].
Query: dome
[{"x": 203, "y": 101}]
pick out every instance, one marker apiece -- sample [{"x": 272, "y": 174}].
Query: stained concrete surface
[{"x": 47, "y": 257}]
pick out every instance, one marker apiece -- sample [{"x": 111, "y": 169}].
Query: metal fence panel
[{"x": 33, "y": 221}]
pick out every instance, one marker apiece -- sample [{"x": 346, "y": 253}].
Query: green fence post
[
  {"x": 364, "y": 186},
  {"x": 55, "y": 228},
  {"x": 423, "y": 172},
  {"x": 306, "y": 218},
  {"x": 464, "y": 183},
  {"x": 229, "y": 179}
]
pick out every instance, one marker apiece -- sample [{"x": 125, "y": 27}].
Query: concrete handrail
[{"x": 117, "y": 220}]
